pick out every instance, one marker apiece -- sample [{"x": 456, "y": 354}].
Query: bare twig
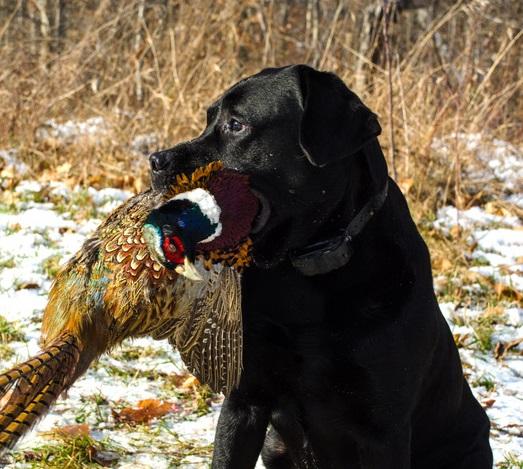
[{"x": 388, "y": 11}]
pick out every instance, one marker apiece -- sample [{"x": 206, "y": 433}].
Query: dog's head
[{"x": 297, "y": 132}]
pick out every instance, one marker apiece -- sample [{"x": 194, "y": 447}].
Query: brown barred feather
[
  {"x": 22, "y": 418},
  {"x": 30, "y": 388}
]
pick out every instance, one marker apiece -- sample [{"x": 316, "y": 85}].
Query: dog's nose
[{"x": 159, "y": 160}]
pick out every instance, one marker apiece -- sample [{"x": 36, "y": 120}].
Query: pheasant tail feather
[{"x": 28, "y": 390}]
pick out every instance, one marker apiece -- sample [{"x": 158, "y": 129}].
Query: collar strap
[{"x": 332, "y": 253}]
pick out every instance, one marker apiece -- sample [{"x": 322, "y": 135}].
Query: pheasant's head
[
  {"x": 174, "y": 229},
  {"x": 212, "y": 221}
]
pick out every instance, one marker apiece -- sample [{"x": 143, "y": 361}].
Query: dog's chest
[{"x": 284, "y": 297}]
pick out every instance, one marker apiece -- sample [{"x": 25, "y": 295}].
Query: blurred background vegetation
[{"x": 429, "y": 68}]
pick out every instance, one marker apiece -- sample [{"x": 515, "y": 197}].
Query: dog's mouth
[{"x": 264, "y": 212}]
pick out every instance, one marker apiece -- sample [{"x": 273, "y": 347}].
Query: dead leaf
[
  {"x": 63, "y": 169},
  {"x": 498, "y": 208},
  {"x": 456, "y": 231},
  {"x": 442, "y": 264},
  {"x": 470, "y": 277},
  {"x": 28, "y": 456},
  {"x": 105, "y": 458},
  {"x": 190, "y": 382},
  {"x": 503, "y": 290},
  {"x": 488, "y": 403},
  {"x": 178, "y": 380},
  {"x": 15, "y": 226},
  {"x": 147, "y": 410},
  {"x": 27, "y": 286},
  {"x": 502, "y": 349},
  {"x": 405, "y": 185},
  {"x": 460, "y": 339},
  {"x": 72, "y": 431}
]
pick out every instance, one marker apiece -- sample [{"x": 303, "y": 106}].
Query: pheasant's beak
[{"x": 188, "y": 269}]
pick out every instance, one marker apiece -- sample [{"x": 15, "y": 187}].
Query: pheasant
[{"x": 164, "y": 264}]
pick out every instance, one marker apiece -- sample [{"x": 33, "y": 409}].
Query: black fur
[{"x": 355, "y": 368}]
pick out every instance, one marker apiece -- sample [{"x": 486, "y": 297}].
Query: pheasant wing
[{"x": 210, "y": 340}]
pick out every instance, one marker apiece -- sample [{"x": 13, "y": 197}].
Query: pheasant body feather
[{"x": 119, "y": 285}]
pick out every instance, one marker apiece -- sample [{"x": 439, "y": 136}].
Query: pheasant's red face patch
[{"x": 173, "y": 249}]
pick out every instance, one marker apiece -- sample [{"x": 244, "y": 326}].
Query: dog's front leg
[{"x": 239, "y": 435}]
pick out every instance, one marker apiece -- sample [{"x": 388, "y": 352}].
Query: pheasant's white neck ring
[{"x": 209, "y": 207}]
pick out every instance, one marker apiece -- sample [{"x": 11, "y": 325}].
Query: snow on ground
[
  {"x": 496, "y": 243},
  {"x": 9, "y": 160},
  {"x": 499, "y": 160},
  {"x": 91, "y": 130},
  {"x": 41, "y": 226},
  {"x": 73, "y": 130}
]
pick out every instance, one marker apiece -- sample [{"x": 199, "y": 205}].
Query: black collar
[{"x": 332, "y": 253}]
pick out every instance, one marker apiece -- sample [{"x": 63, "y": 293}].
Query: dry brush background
[{"x": 429, "y": 68}]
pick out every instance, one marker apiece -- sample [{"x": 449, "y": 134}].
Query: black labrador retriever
[{"x": 348, "y": 360}]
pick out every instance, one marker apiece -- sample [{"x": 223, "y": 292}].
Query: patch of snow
[
  {"x": 17, "y": 305},
  {"x": 516, "y": 199},
  {"x": 88, "y": 227},
  {"x": 496, "y": 240},
  {"x": 508, "y": 244},
  {"x": 59, "y": 190},
  {"x": 514, "y": 316},
  {"x": 448, "y": 310},
  {"x": 510, "y": 278},
  {"x": 69, "y": 243},
  {"x": 11, "y": 163},
  {"x": 109, "y": 195},
  {"x": 497, "y": 159},
  {"x": 505, "y": 400},
  {"x": 503, "y": 249},
  {"x": 473, "y": 217},
  {"x": 72, "y": 130},
  {"x": 36, "y": 219},
  {"x": 28, "y": 186}
]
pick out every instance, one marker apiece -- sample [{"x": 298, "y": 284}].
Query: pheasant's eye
[
  {"x": 234, "y": 125},
  {"x": 173, "y": 249}
]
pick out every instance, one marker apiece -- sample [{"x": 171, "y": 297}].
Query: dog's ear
[{"x": 335, "y": 123}]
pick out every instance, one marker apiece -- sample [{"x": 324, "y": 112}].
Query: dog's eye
[{"x": 234, "y": 125}]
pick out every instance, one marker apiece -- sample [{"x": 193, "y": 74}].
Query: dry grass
[{"x": 154, "y": 66}]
